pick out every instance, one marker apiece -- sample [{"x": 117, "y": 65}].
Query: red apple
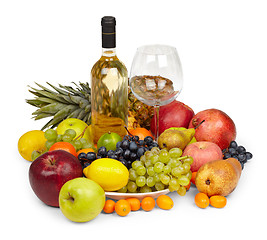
[
  {"x": 218, "y": 127},
  {"x": 202, "y": 152},
  {"x": 50, "y": 171},
  {"x": 174, "y": 114}
]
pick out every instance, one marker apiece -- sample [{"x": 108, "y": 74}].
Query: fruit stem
[
  {"x": 182, "y": 158},
  {"x": 128, "y": 131},
  {"x": 81, "y": 135},
  {"x": 199, "y": 124}
]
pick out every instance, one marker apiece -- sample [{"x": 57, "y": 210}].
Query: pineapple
[
  {"x": 140, "y": 111},
  {"x": 67, "y": 102}
]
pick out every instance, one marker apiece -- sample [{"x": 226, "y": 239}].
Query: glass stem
[{"x": 156, "y": 113}]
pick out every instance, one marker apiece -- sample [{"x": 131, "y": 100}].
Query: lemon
[
  {"x": 109, "y": 173},
  {"x": 30, "y": 141}
]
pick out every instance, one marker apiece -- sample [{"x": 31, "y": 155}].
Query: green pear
[
  {"x": 182, "y": 128},
  {"x": 173, "y": 138}
]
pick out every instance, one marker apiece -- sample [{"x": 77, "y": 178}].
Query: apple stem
[
  {"x": 207, "y": 182},
  {"x": 81, "y": 135},
  {"x": 199, "y": 124}
]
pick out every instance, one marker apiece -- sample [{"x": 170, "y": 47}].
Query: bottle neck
[{"x": 109, "y": 52}]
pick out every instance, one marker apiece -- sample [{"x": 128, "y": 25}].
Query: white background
[{"x": 222, "y": 47}]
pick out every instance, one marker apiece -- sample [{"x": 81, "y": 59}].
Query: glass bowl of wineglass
[{"x": 156, "y": 77}]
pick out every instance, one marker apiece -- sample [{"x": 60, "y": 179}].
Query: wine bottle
[{"x": 109, "y": 87}]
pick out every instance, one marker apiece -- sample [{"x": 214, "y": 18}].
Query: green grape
[
  {"x": 177, "y": 171},
  {"x": 167, "y": 169},
  {"x": 145, "y": 189},
  {"x": 181, "y": 191},
  {"x": 141, "y": 170},
  {"x": 164, "y": 156},
  {"x": 150, "y": 171},
  {"x": 171, "y": 189},
  {"x": 66, "y": 138},
  {"x": 132, "y": 174},
  {"x": 189, "y": 160},
  {"x": 140, "y": 181},
  {"x": 165, "y": 179},
  {"x": 156, "y": 178},
  {"x": 175, "y": 152},
  {"x": 131, "y": 186},
  {"x": 83, "y": 141},
  {"x": 35, "y": 154},
  {"x": 188, "y": 175},
  {"x": 186, "y": 167},
  {"x": 123, "y": 189},
  {"x": 158, "y": 167},
  {"x": 148, "y": 163},
  {"x": 59, "y": 138},
  {"x": 150, "y": 182},
  {"x": 143, "y": 159},
  {"x": 155, "y": 150},
  {"x": 173, "y": 163},
  {"x": 183, "y": 180},
  {"x": 136, "y": 164},
  {"x": 70, "y": 132},
  {"x": 50, "y": 134},
  {"x": 173, "y": 183},
  {"x": 154, "y": 159},
  {"x": 86, "y": 143},
  {"x": 159, "y": 186},
  {"x": 148, "y": 154},
  {"x": 164, "y": 150},
  {"x": 78, "y": 145},
  {"x": 48, "y": 144}
]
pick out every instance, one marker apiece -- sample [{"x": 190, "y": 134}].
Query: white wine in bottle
[{"x": 109, "y": 86}]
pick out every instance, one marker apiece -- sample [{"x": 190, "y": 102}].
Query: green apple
[
  {"x": 77, "y": 125},
  {"x": 81, "y": 199},
  {"x": 182, "y": 128}
]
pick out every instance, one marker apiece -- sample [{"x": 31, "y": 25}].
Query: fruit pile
[{"x": 191, "y": 148}]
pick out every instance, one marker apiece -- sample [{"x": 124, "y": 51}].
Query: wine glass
[{"x": 156, "y": 77}]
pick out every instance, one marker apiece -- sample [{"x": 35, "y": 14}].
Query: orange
[
  {"x": 202, "y": 200},
  {"x": 122, "y": 207},
  {"x": 134, "y": 203},
  {"x": 109, "y": 206},
  {"x": 141, "y": 133},
  {"x": 148, "y": 203},
  {"x": 85, "y": 150},
  {"x": 188, "y": 186},
  {"x": 66, "y": 146},
  {"x": 164, "y": 202},
  {"x": 193, "y": 177},
  {"x": 218, "y": 201}
]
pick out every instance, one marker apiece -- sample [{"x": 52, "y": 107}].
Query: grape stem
[
  {"x": 128, "y": 131},
  {"x": 81, "y": 135}
]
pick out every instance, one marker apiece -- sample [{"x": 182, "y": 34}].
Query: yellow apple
[{"x": 76, "y": 124}]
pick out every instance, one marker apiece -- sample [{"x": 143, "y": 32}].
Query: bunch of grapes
[
  {"x": 160, "y": 169},
  {"x": 69, "y": 136},
  {"x": 130, "y": 149}
]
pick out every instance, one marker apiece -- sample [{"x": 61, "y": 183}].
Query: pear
[
  {"x": 219, "y": 177},
  {"x": 174, "y": 138},
  {"x": 182, "y": 128}
]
